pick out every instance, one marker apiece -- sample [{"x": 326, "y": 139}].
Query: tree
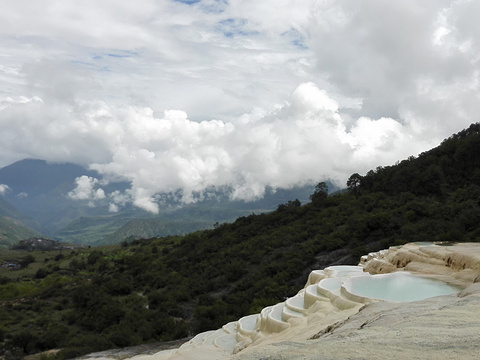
[
  {"x": 320, "y": 193},
  {"x": 353, "y": 183},
  {"x": 25, "y": 340},
  {"x": 27, "y": 260},
  {"x": 290, "y": 204}
]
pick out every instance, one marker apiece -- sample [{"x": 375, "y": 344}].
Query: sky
[{"x": 185, "y": 96}]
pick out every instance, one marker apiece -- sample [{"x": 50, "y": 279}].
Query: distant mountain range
[{"x": 37, "y": 202}]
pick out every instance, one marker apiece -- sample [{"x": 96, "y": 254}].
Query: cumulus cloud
[
  {"x": 87, "y": 189},
  {"x": 3, "y": 189},
  {"x": 309, "y": 91},
  {"x": 414, "y": 62},
  {"x": 301, "y": 141}
]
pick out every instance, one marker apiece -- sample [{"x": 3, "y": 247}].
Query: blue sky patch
[
  {"x": 187, "y": 2},
  {"x": 92, "y": 65},
  {"x": 118, "y": 55},
  {"x": 235, "y": 27},
  {"x": 215, "y": 7},
  {"x": 296, "y": 38}
]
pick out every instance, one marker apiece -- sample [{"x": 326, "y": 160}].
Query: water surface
[{"x": 399, "y": 286}]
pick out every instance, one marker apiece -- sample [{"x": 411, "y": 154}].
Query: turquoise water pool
[{"x": 399, "y": 286}]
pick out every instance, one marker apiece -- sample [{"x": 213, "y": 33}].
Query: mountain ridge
[{"x": 39, "y": 192}]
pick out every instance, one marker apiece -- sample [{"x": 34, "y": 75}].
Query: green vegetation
[
  {"x": 50, "y": 211},
  {"x": 12, "y": 231},
  {"x": 182, "y": 221},
  {"x": 167, "y": 288},
  {"x": 113, "y": 229},
  {"x": 14, "y": 226},
  {"x": 89, "y": 230}
]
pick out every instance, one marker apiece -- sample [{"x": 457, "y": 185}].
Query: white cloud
[
  {"x": 3, "y": 189},
  {"x": 277, "y": 92},
  {"x": 87, "y": 189},
  {"x": 112, "y": 207},
  {"x": 302, "y": 140}
]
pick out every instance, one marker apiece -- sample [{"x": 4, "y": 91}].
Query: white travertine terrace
[
  {"x": 326, "y": 299},
  {"x": 456, "y": 264}
]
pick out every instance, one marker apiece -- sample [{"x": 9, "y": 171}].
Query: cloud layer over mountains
[{"x": 190, "y": 95}]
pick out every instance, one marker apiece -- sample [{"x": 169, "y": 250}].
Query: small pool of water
[
  {"x": 424, "y": 243},
  {"x": 399, "y": 286},
  {"x": 249, "y": 322},
  {"x": 331, "y": 283},
  {"x": 345, "y": 270}
]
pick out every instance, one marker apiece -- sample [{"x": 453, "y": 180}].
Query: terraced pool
[{"x": 398, "y": 286}]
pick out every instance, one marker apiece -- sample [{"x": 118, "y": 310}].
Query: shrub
[
  {"x": 27, "y": 260},
  {"x": 41, "y": 273}
]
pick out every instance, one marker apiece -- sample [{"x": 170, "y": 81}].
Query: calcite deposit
[
  {"x": 454, "y": 263},
  {"x": 325, "y": 320}
]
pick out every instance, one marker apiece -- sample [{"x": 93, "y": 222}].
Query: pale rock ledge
[
  {"x": 326, "y": 321},
  {"x": 454, "y": 263}
]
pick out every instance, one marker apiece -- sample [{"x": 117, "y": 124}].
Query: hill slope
[
  {"x": 12, "y": 225},
  {"x": 12, "y": 231},
  {"x": 168, "y": 288},
  {"x": 39, "y": 190}
]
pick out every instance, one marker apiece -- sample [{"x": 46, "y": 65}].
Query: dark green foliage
[
  {"x": 27, "y": 260},
  {"x": 320, "y": 193},
  {"x": 41, "y": 273},
  {"x": 454, "y": 164},
  {"x": 353, "y": 183},
  {"x": 282, "y": 207},
  {"x": 168, "y": 288},
  {"x": 25, "y": 340}
]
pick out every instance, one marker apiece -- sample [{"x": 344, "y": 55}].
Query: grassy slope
[
  {"x": 12, "y": 231},
  {"x": 12, "y": 228},
  {"x": 114, "y": 228}
]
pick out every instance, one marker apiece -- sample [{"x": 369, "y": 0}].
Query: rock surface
[{"x": 443, "y": 327}]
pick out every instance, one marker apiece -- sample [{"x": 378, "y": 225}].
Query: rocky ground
[
  {"x": 443, "y": 327},
  {"x": 129, "y": 352}
]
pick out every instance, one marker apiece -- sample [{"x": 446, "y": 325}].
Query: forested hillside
[
  {"x": 12, "y": 225},
  {"x": 173, "y": 287}
]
